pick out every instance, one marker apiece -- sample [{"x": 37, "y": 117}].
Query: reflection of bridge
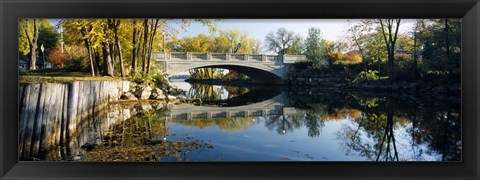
[
  {"x": 271, "y": 107},
  {"x": 263, "y": 69}
]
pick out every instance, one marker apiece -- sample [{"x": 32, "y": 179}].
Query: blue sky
[{"x": 332, "y": 29}]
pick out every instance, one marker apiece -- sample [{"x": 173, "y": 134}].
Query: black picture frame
[{"x": 468, "y": 10}]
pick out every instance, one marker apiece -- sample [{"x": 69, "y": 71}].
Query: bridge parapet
[{"x": 199, "y": 56}]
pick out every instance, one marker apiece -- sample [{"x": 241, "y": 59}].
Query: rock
[
  {"x": 142, "y": 107},
  {"x": 157, "y": 94},
  {"x": 171, "y": 98},
  {"x": 128, "y": 96},
  {"x": 143, "y": 93},
  {"x": 76, "y": 158},
  {"x": 89, "y": 146},
  {"x": 146, "y": 107}
]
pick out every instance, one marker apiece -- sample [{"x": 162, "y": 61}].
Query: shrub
[
  {"x": 57, "y": 58},
  {"x": 153, "y": 79},
  {"x": 368, "y": 76},
  {"x": 76, "y": 59}
]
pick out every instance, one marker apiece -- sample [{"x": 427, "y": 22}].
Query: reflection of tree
[
  {"x": 314, "y": 121},
  {"x": 228, "y": 125},
  {"x": 136, "y": 130},
  {"x": 235, "y": 91},
  {"x": 369, "y": 125},
  {"x": 282, "y": 124},
  {"x": 440, "y": 128},
  {"x": 390, "y": 141},
  {"x": 204, "y": 92},
  {"x": 208, "y": 92},
  {"x": 436, "y": 131}
]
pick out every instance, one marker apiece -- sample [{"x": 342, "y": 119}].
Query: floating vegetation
[{"x": 154, "y": 152}]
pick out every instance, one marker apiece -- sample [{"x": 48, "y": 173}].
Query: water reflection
[
  {"x": 226, "y": 95},
  {"x": 333, "y": 126}
]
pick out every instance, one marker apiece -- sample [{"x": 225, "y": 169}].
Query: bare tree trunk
[
  {"x": 107, "y": 59},
  {"x": 113, "y": 52},
  {"x": 97, "y": 61},
  {"x": 32, "y": 42},
  {"x": 390, "y": 42},
  {"x": 135, "y": 46},
  {"x": 145, "y": 41},
  {"x": 120, "y": 56},
  {"x": 119, "y": 48},
  {"x": 89, "y": 49},
  {"x": 150, "y": 46}
]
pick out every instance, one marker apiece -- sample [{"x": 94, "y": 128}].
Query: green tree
[
  {"x": 313, "y": 45},
  {"x": 49, "y": 38},
  {"x": 31, "y": 34},
  {"x": 442, "y": 48},
  {"x": 375, "y": 49},
  {"x": 297, "y": 46},
  {"x": 389, "y": 29}
]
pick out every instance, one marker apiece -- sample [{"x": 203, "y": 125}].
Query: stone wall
[{"x": 51, "y": 112}]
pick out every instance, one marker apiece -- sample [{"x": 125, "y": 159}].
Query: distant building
[{"x": 22, "y": 65}]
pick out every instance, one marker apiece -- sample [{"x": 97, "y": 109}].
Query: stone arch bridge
[{"x": 263, "y": 69}]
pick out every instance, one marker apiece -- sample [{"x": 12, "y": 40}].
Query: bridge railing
[{"x": 226, "y": 57}]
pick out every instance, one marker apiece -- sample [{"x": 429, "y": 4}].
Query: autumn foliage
[{"x": 57, "y": 58}]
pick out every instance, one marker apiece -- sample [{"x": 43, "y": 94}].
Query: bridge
[
  {"x": 262, "y": 68},
  {"x": 270, "y": 107}
]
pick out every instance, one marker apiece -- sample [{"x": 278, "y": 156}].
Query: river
[{"x": 231, "y": 123}]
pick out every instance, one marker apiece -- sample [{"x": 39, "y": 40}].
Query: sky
[{"x": 332, "y": 29}]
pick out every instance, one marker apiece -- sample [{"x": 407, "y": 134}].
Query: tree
[
  {"x": 48, "y": 37},
  {"x": 238, "y": 42},
  {"x": 358, "y": 34},
  {"x": 389, "y": 28},
  {"x": 136, "y": 35},
  {"x": 88, "y": 32},
  {"x": 279, "y": 41},
  {"x": 257, "y": 47},
  {"x": 200, "y": 43},
  {"x": 441, "y": 40},
  {"x": 297, "y": 46},
  {"x": 375, "y": 49},
  {"x": 32, "y": 41},
  {"x": 313, "y": 45}
]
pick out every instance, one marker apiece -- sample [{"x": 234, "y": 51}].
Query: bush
[
  {"x": 302, "y": 64},
  {"x": 403, "y": 71},
  {"x": 153, "y": 79},
  {"x": 57, "y": 58},
  {"x": 368, "y": 76},
  {"x": 76, "y": 59}
]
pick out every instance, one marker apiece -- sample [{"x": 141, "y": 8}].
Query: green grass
[{"x": 60, "y": 76}]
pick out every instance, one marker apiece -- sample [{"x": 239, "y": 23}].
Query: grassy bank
[{"x": 60, "y": 76}]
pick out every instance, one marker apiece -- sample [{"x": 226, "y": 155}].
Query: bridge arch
[
  {"x": 263, "y": 69},
  {"x": 260, "y": 74}
]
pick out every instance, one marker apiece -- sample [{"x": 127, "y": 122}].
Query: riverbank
[
  {"x": 51, "y": 113},
  {"x": 321, "y": 81}
]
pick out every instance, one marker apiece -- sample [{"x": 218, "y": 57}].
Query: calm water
[{"x": 227, "y": 123}]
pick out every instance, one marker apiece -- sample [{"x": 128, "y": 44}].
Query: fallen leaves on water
[{"x": 144, "y": 152}]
